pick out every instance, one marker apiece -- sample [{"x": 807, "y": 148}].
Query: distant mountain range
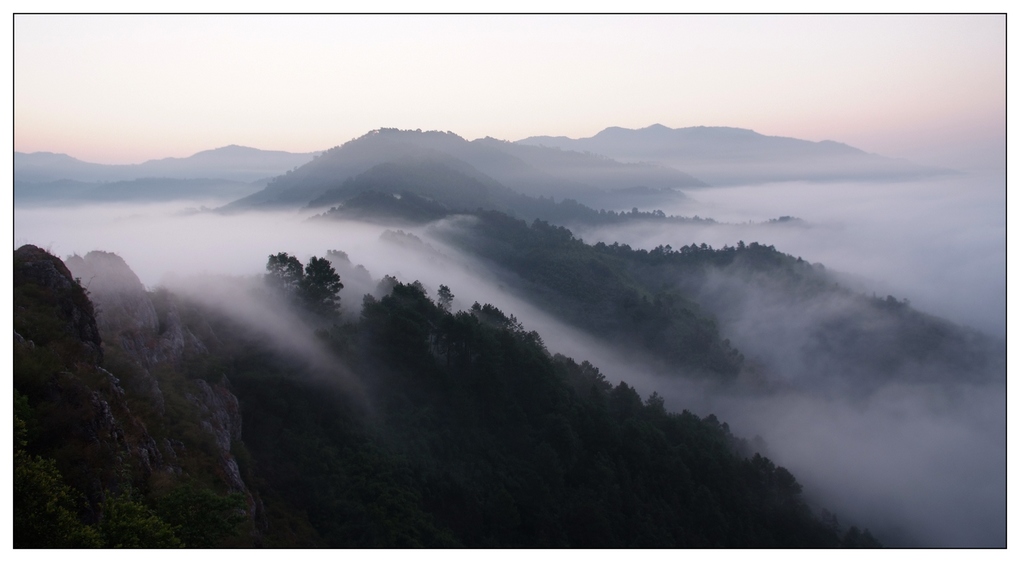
[
  {"x": 142, "y": 190},
  {"x": 223, "y": 174},
  {"x": 233, "y": 163},
  {"x": 726, "y": 155},
  {"x": 615, "y": 169}
]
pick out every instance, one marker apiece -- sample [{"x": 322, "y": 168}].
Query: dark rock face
[
  {"x": 119, "y": 294},
  {"x": 127, "y": 316},
  {"x": 90, "y": 423},
  {"x": 84, "y": 404},
  {"x": 126, "y": 312},
  {"x": 153, "y": 337},
  {"x": 101, "y": 444},
  {"x": 221, "y": 413},
  {"x": 33, "y": 265}
]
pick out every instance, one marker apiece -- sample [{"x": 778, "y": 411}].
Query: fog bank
[
  {"x": 939, "y": 242},
  {"x": 917, "y": 464}
]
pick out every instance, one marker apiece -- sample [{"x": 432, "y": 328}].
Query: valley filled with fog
[
  {"x": 920, "y": 463},
  {"x": 510, "y": 281},
  {"x": 939, "y": 242}
]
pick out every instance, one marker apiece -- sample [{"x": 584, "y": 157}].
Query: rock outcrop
[
  {"x": 58, "y": 357},
  {"x": 126, "y": 311},
  {"x": 154, "y": 337},
  {"x": 35, "y": 266},
  {"x": 221, "y": 415},
  {"x": 62, "y": 342}
]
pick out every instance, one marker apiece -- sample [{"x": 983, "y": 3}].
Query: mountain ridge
[
  {"x": 232, "y": 162},
  {"x": 526, "y": 170},
  {"x": 732, "y": 155}
]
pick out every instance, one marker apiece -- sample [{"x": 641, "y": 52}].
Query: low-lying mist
[
  {"x": 921, "y": 465},
  {"x": 917, "y": 463},
  {"x": 939, "y": 242},
  {"x": 248, "y": 302}
]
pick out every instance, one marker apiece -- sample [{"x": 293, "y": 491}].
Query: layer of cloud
[
  {"x": 918, "y": 464},
  {"x": 940, "y": 242}
]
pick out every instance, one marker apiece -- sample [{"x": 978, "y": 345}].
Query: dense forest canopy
[{"x": 467, "y": 432}]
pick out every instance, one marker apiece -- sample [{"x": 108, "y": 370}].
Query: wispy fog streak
[{"x": 940, "y": 242}]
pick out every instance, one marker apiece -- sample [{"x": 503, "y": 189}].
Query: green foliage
[
  {"x": 603, "y": 290},
  {"x": 127, "y": 523},
  {"x": 45, "y": 507},
  {"x": 389, "y": 208},
  {"x": 320, "y": 287},
  {"x": 439, "y": 430},
  {"x": 284, "y": 271},
  {"x": 416, "y": 189},
  {"x": 202, "y": 519},
  {"x": 46, "y": 510},
  {"x": 40, "y": 320},
  {"x": 444, "y": 298},
  {"x": 478, "y": 437},
  {"x": 316, "y": 286}
]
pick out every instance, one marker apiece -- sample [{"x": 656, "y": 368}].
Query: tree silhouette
[
  {"x": 284, "y": 271},
  {"x": 320, "y": 287},
  {"x": 445, "y": 298}
]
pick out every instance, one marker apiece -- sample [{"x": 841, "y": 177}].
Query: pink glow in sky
[{"x": 123, "y": 89}]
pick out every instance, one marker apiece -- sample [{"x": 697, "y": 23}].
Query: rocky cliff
[
  {"x": 155, "y": 338},
  {"x": 126, "y": 312},
  {"x": 80, "y": 407},
  {"x": 103, "y": 375},
  {"x": 52, "y": 283}
]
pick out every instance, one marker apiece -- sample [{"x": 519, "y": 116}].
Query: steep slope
[
  {"x": 688, "y": 310},
  {"x": 808, "y": 331},
  {"x": 529, "y": 171},
  {"x": 445, "y": 181},
  {"x": 594, "y": 291},
  {"x": 465, "y": 432},
  {"x": 328, "y": 171},
  {"x": 110, "y": 430}
]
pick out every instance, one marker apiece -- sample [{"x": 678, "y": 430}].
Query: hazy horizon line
[{"x": 239, "y": 145}]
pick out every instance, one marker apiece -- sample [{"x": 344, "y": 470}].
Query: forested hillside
[
  {"x": 172, "y": 422},
  {"x": 669, "y": 308}
]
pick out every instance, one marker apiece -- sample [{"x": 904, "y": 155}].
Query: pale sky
[{"x": 124, "y": 89}]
